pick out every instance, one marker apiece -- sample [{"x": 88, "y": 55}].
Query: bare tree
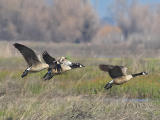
[
  {"x": 73, "y": 21},
  {"x": 64, "y": 21}
]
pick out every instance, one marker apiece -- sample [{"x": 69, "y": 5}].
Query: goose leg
[
  {"x": 109, "y": 85},
  {"x": 48, "y": 75},
  {"x": 25, "y": 72}
]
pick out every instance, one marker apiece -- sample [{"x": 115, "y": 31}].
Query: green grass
[
  {"x": 31, "y": 97},
  {"x": 90, "y": 80}
]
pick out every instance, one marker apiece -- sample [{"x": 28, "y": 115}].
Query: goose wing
[
  {"x": 53, "y": 64},
  {"x": 105, "y": 68},
  {"x": 47, "y": 58},
  {"x": 114, "y": 71},
  {"x": 28, "y": 54}
]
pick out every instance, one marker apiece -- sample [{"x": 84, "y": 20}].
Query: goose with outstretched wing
[{"x": 34, "y": 63}]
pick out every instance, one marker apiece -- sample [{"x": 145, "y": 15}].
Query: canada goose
[
  {"x": 118, "y": 74},
  {"x": 58, "y": 66},
  {"x": 34, "y": 63}
]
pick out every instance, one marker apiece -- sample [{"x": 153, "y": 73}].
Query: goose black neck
[
  {"x": 137, "y": 74},
  {"x": 76, "y": 65}
]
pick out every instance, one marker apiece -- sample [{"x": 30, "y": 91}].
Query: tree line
[
  {"x": 41, "y": 20},
  {"x": 76, "y": 21}
]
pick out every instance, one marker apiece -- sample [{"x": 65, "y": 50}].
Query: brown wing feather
[
  {"x": 47, "y": 58},
  {"x": 28, "y": 54},
  {"x": 53, "y": 65},
  {"x": 105, "y": 68},
  {"x": 114, "y": 71}
]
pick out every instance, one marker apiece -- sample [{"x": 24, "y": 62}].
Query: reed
[{"x": 79, "y": 93}]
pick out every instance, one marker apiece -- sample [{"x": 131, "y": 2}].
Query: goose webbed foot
[
  {"x": 48, "y": 76},
  {"x": 108, "y": 86},
  {"x": 24, "y": 73}
]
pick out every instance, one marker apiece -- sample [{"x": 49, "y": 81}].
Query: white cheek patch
[{"x": 144, "y": 73}]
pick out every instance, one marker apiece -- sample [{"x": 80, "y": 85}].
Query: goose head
[
  {"x": 144, "y": 73},
  {"x": 76, "y": 65}
]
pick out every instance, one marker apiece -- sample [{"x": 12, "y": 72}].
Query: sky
[{"x": 101, "y": 6}]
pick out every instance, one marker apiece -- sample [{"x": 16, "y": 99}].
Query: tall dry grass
[
  {"x": 121, "y": 50},
  {"x": 79, "y": 94}
]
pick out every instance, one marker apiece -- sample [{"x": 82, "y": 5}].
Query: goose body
[
  {"x": 39, "y": 67},
  {"x": 58, "y": 66},
  {"x": 123, "y": 79},
  {"x": 118, "y": 74},
  {"x": 65, "y": 67},
  {"x": 33, "y": 62}
]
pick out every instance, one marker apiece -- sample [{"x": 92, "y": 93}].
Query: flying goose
[
  {"x": 118, "y": 74},
  {"x": 58, "y": 66},
  {"x": 34, "y": 63}
]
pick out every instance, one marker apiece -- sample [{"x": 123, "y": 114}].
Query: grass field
[{"x": 79, "y": 94}]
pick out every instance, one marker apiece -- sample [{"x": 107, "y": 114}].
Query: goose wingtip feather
[{"x": 15, "y": 44}]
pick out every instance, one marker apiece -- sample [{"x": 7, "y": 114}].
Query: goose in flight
[
  {"x": 58, "y": 66},
  {"x": 118, "y": 74},
  {"x": 34, "y": 63}
]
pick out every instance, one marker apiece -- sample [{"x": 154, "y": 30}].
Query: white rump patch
[{"x": 29, "y": 68}]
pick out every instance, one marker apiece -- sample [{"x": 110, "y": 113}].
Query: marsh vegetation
[
  {"x": 79, "y": 94},
  {"x": 128, "y": 36}
]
